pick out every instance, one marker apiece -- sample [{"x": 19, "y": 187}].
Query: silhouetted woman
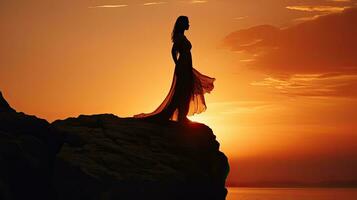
[{"x": 186, "y": 95}]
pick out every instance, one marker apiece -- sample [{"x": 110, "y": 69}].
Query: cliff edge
[{"x": 105, "y": 157}]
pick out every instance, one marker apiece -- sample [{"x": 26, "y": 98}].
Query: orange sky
[{"x": 284, "y": 103}]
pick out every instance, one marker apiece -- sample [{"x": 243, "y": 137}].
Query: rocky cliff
[
  {"x": 107, "y": 157},
  {"x": 28, "y": 148}
]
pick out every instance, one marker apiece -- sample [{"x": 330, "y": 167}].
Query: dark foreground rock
[
  {"x": 4, "y": 106},
  {"x": 104, "y": 157},
  {"x": 27, "y": 152}
]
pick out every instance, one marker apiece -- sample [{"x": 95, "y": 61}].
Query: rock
[
  {"x": 4, "y": 106},
  {"x": 107, "y": 157},
  {"x": 27, "y": 151},
  {"x": 104, "y": 157}
]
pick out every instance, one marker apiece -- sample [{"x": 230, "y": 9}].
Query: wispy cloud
[
  {"x": 304, "y": 48},
  {"x": 315, "y": 58},
  {"x": 302, "y": 19},
  {"x": 110, "y": 6},
  {"x": 318, "y": 8},
  {"x": 313, "y": 85},
  {"x": 240, "y": 18},
  {"x": 154, "y": 3},
  {"x": 198, "y": 1},
  {"x": 340, "y": 0},
  {"x": 247, "y": 60}
]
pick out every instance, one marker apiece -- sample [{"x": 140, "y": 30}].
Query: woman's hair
[{"x": 179, "y": 27}]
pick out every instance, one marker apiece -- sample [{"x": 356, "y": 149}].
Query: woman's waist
[
  {"x": 185, "y": 53},
  {"x": 185, "y": 57}
]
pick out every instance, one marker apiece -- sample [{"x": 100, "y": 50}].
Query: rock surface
[
  {"x": 124, "y": 158},
  {"x": 27, "y": 152},
  {"x": 104, "y": 157}
]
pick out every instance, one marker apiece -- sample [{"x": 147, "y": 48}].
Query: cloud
[
  {"x": 318, "y": 8},
  {"x": 340, "y": 0},
  {"x": 324, "y": 45},
  {"x": 110, "y": 6},
  {"x": 240, "y": 18},
  {"x": 313, "y": 85},
  {"x": 301, "y": 19},
  {"x": 198, "y": 1},
  {"x": 154, "y": 3}
]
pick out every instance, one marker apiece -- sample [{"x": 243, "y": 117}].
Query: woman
[{"x": 186, "y": 95}]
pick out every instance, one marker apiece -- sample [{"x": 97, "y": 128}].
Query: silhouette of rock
[
  {"x": 4, "y": 106},
  {"x": 27, "y": 152},
  {"x": 107, "y": 157}
]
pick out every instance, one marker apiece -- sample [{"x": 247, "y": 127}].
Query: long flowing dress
[{"x": 186, "y": 95}]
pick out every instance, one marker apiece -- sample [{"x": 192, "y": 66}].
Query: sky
[{"x": 284, "y": 103}]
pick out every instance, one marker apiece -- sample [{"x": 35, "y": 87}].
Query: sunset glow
[{"x": 285, "y": 94}]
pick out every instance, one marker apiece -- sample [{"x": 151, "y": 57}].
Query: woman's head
[{"x": 181, "y": 25}]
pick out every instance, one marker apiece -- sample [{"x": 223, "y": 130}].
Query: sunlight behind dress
[
  {"x": 187, "y": 88},
  {"x": 202, "y": 84}
]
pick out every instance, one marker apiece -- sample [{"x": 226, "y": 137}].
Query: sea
[{"x": 236, "y": 193}]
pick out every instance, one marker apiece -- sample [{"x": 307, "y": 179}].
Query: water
[{"x": 292, "y": 194}]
